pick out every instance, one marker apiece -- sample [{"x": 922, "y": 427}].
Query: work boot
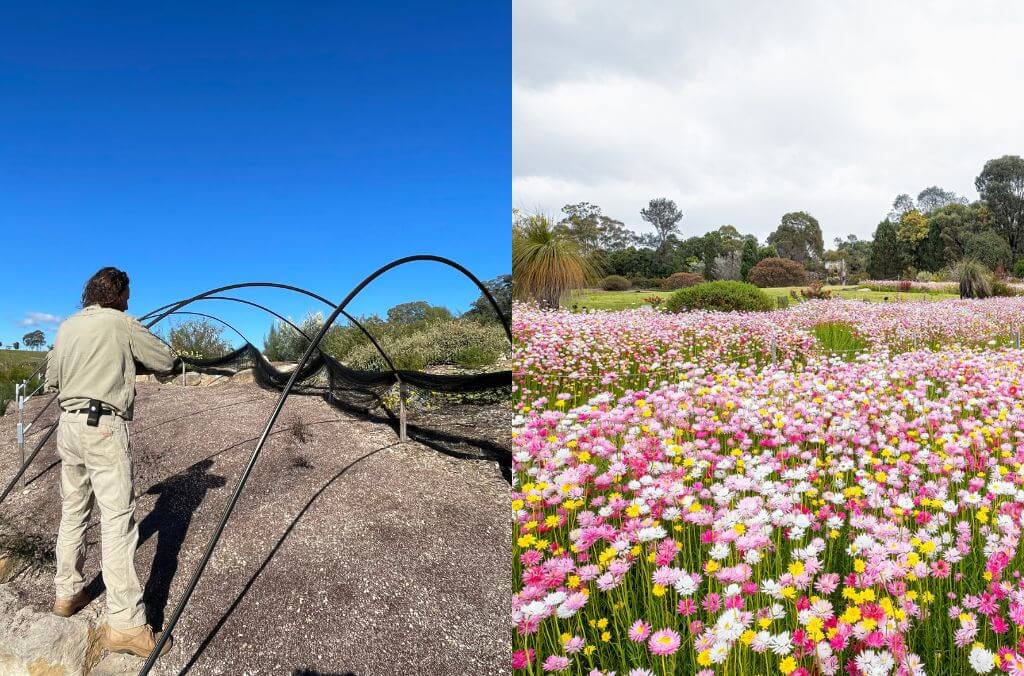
[
  {"x": 137, "y": 640},
  {"x": 69, "y": 605}
]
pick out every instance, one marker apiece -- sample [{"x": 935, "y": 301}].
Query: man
[{"x": 93, "y": 365}]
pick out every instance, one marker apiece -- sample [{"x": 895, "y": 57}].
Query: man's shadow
[{"x": 179, "y": 498}]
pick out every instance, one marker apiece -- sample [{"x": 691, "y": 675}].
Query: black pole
[
  {"x": 355, "y": 322},
  {"x": 219, "y": 531}
]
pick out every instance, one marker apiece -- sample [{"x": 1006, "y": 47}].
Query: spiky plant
[
  {"x": 975, "y": 279},
  {"x": 545, "y": 263}
]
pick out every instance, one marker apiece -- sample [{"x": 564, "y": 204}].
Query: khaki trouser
[{"x": 96, "y": 465}]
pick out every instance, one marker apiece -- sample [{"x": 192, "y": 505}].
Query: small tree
[
  {"x": 34, "y": 339},
  {"x": 748, "y": 258},
  {"x": 417, "y": 311},
  {"x": 501, "y": 289},
  {"x": 664, "y": 215},
  {"x": 16, "y": 345},
  {"x": 198, "y": 338}
]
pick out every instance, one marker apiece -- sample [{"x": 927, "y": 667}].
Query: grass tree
[
  {"x": 546, "y": 263},
  {"x": 975, "y": 279}
]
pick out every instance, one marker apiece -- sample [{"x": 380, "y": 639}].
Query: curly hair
[{"x": 106, "y": 288}]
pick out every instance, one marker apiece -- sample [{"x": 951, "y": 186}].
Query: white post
[
  {"x": 773, "y": 350},
  {"x": 19, "y": 394},
  {"x": 402, "y": 394},
  {"x": 1016, "y": 330}
]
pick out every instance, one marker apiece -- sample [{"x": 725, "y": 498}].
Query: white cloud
[
  {"x": 742, "y": 111},
  {"x": 33, "y": 319}
]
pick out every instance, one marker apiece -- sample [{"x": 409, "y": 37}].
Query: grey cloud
[{"x": 742, "y": 111}]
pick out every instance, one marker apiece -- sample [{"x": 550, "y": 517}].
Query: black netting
[
  {"x": 324, "y": 372},
  {"x": 462, "y": 414}
]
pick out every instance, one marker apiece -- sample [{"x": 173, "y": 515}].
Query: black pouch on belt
[{"x": 95, "y": 411}]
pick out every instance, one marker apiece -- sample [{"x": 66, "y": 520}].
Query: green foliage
[
  {"x": 1018, "y": 269},
  {"x": 913, "y": 227},
  {"x": 930, "y": 254},
  {"x": 974, "y": 278},
  {"x": 776, "y": 272},
  {"x": 14, "y": 368},
  {"x": 581, "y": 224},
  {"x": 798, "y": 238},
  {"x": 546, "y": 264},
  {"x": 283, "y": 343},
  {"x": 748, "y": 258},
  {"x": 989, "y": 248},
  {"x": 615, "y": 283},
  {"x": 889, "y": 256},
  {"x": 431, "y": 341},
  {"x": 417, "y": 311},
  {"x": 664, "y": 215},
  {"x": 839, "y": 338},
  {"x": 482, "y": 310},
  {"x": 681, "y": 280},
  {"x": 34, "y": 339},
  {"x": 720, "y": 295},
  {"x": 199, "y": 338},
  {"x": 453, "y": 342},
  {"x": 1001, "y": 186}
]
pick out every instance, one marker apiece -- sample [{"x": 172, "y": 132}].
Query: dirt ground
[{"x": 347, "y": 552}]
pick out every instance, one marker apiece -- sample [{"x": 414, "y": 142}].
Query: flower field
[{"x": 722, "y": 494}]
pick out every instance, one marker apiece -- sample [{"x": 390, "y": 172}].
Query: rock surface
[
  {"x": 35, "y": 643},
  {"x": 347, "y": 553}
]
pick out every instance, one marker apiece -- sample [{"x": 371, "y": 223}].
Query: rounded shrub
[
  {"x": 681, "y": 280},
  {"x": 725, "y": 296},
  {"x": 615, "y": 283},
  {"x": 773, "y": 272}
]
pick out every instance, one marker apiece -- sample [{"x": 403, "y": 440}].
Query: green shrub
[
  {"x": 776, "y": 272},
  {"x": 199, "y": 339},
  {"x": 615, "y": 283},
  {"x": 283, "y": 343},
  {"x": 681, "y": 280},
  {"x": 453, "y": 343},
  {"x": 720, "y": 295},
  {"x": 1001, "y": 288},
  {"x": 1018, "y": 269}
]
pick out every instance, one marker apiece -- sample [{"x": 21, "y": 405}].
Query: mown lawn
[
  {"x": 596, "y": 299},
  {"x": 15, "y": 366}
]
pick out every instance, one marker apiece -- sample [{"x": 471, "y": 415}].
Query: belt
[{"x": 103, "y": 411}]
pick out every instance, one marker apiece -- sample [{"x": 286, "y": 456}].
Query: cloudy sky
[{"x": 742, "y": 111}]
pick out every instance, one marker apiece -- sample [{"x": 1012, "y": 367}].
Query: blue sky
[{"x": 201, "y": 144}]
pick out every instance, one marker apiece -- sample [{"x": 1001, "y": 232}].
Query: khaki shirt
[{"x": 94, "y": 357}]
